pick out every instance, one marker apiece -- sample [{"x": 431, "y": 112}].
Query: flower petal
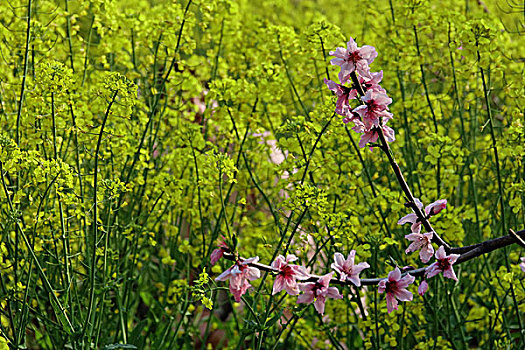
[
  {"x": 339, "y": 259},
  {"x": 403, "y": 295},
  {"x": 394, "y": 275},
  {"x": 391, "y": 302},
  {"x": 278, "y": 284},
  {"x": 305, "y": 298},
  {"x": 216, "y": 255},
  {"x": 333, "y": 293},
  {"x": 449, "y": 273},
  {"x": 252, "y": 273},
  {"x": 440, "y": 254},
  {"x": 423, "y": 287},
  {"x": 436, "y": 207},
  {"x": 325, "y": 280},
  {"x": 319, "y": 304},
  {"x": 405, "y": 281},
  {"x": 225, "y": 275},
  {"x": 407, "y": 218}
]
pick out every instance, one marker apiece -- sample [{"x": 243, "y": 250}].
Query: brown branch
[
  {"x": 518, "y": 238},
  {"x": 408, "y": 193},
  {"x": 400, "y": 178},
  {"x": 473, "y": 252}
]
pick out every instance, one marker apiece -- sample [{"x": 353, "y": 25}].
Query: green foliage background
[{"x": 179, "y": 108}]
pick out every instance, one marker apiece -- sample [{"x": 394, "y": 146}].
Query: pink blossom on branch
[
  {"x": 375, "y": 108},
  {"x": 443, "y": 264},
  {"x": 372, "y": 84},
  {"x": 395, "y": 288},
  {"x": 343, "y": 94},
  {"x": 352, "y": 59},
  {"x": 317, "y": 292},
  {"x": 423, "y": 287},
  {"x": 239, "y": 275},
  {"x": 436, "y": 207},
  {"x": 430, "y": 210},
  {"x": 288, "y": 275},
  {"x": 522, "y": 265},
  {"x": 350, "y": 116},
  {"x": 370, "y": 135},
  {"x": 347, "y": 269},
  {"x": 219, "y": 252},
  {"x": 421, "y": 241}
]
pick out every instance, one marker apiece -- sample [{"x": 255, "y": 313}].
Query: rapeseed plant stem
[
  {"x": 88, "y": 323},
  {"x": 62, "y": 314}
]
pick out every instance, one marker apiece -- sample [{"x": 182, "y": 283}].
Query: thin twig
[
  {"x": 400, "y": 178},
  {"x": 480, "y": 249}
]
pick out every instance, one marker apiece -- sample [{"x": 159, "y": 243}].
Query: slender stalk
[
  {"x": 400, "y": 178},
  {"x": 472, "y": 252},
  {"x": 45, "y": 280},
  {"x": 289, "y": 76},
  {"x": 11, "y": 314},
  {"x": 68, "y": 34},
  {"x": 434, "y": 119},
  {"x": 88, "y": 46},
  {"x": 199, "y": 202},
  {"x": 92, "y": 272},
  {"x": 23, "y": 87},
  {"x": 22, "y": 325},
  {"x": 65, "y": 240},
  {"x": 370, "y": 182},
  {"x": 500, "y": 188},
  {"x": 314, "y": 147}
]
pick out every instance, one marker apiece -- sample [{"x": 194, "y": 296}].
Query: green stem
[
  {"x": 88, "y": 46},
  {"x": 500, "y": 188},
  {"x": 92, "y": 273},
  {"x": 23, "y": 87},
  {"x": 68, "y": 34},
  {"x": 45, "y": 280},
  {"x": 65, "y": 240},
  {"x": 434, "y": 119}
]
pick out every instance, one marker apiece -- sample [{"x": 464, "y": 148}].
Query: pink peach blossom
[
  {"x": 373, "y": 84},
  {"x": 350, "y": 116},
  {"x": 367, "y": 85},
  {"x": 395, "y": 288},
  {"x": 423, "y": 287},
  {"x": 317, "y": 292},
  {"x": 421, "y": 241},
  {"x": 239, "y": 274},
  {"x": 288, "y": 275},
  {"x": 219, "y": 252},
  {"x": 436, "y": 207},
  {"x": 370, "y": 134},
  {"x": 343, "y": 94},
  {"x": 347, "y": 269},
  {"x": 375, "y": 108},
  {"x": 443, "y": 264},
  {"x": 522, "y": 265},
  {"x": 430, "y": 210},
  {"x": 352, "y": 59}
]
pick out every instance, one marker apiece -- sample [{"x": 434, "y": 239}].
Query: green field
[{"x": 141, "y": 139}]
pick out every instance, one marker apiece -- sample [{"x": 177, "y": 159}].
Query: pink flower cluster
[
  {"x": 239, "y": 275},
  {"x": 423, "y": 243},
  {"x": 395, "y": 288},
  {"x": 288, "y": 274},
  {"x": 373, "y": 113},
  {"x": 370, "y": 119}
]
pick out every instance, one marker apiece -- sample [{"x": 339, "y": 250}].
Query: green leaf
[{"x": 61, "y": 316}]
